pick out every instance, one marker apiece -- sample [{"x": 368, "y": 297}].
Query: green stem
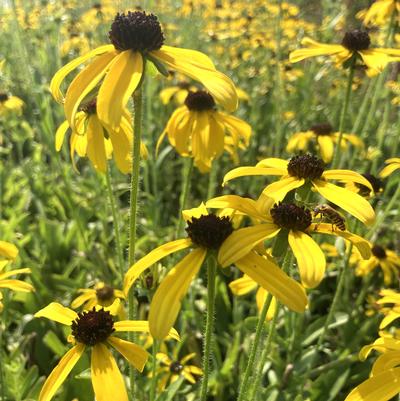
[
  {"x": 343, "y": 113},
  {"x": 132, "y": 305},
  {"x": 212, "y": 181},
  {"x": 186, "y": 179},
  {"x": 2, "y": 384},
  {"x": 244, "y": 386},
  {"x": 116, "y": 225},
  {"x": 153, "y": 386},
  {"x": 211, "y": 274}
]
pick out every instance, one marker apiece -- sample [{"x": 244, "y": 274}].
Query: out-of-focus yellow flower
[
  {"x": 9, "y": 103},
  {"x": 379, "y": 12},
  {"x": 354, "y": 44},
  {"x": 91, "y": 138},
  {"x": 76, "y": 43},
  {"x": 393, "y": 164},
  {"x": 326, "y": 139},
  {"x": 200, "y": 131},
  {"x": 390, "y": 307},
  {"x": 376, "y": 183}
]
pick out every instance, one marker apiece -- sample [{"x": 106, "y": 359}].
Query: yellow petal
[
  {"x": 58, "y": 313},
  {"x": 315, "y": 49},
  {"x": 166, "y": 302},
  {"x": 381, "y": 387},
  {"x": 250, "y": 170},
  {"x": 196, "y": 212},
  {"x": 274, "y": 162},
  {"x": 134, "y": 354},
  {"x": 81, "y": 299},
  {"x": 346, "y": 176},
  {"x": 154, "y": 256},
  {"x": 278, "y": 190},
  {"x": 349, "y": 201},
  {"x": 388, "y": 319},
  {"x": 376, "y": 60},
  {"x": 242, "y": 285},
  {"x": 64, "y": 71},
  {"x": 200, "y": 68},
  {"x": 242, "y": 241},
  {"x": 269, "y": 276},
  {"x": 385, "y": 362},
  {"x": 96, "y": 150},
  {"x": 14, "y": 272},
  {"x": 8, "y": 250},
  {"x": 108, "y": 383},
  {"x": 389, "y": 169},
  {"x": 122, "y": 145},
  {"x": 261, "y": 297},
  {"x": 16, "y": 285},
  {"x": 309, "y": 256},
  {"x": 141, "y": 325},
  {"x": 60, "y": 134},
  {"x": 325, "y": 147},
  {"x": 60, "y": 372},
  {"x": 120, "y": 82}
]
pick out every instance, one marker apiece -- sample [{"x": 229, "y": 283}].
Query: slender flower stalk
[
  {"x": 212, "y": 181},
  {"x": 208, "y": 334},
  {"x": 153, "y": 386},
  {"x": 186, "y": 179}
]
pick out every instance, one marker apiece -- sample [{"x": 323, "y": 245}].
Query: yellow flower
[
  {"x": 8, "y": 252},
  {"x": 297, "y": 221},
  {"x": 94, "y": 329},
  {"x": 326, "y": 139},
  {"x": 381, "y": 257},
  {"x": 309, "y": 170},
  {"x": 9, "y": 104},
  {"x": 391, "y": 299},
  {"x": 244, "y": 285},
  {"x": 376, "y": 183},
  {"x": 178, "y": 92},
  {"x": 174, "y": 368},
  {"x": 393, "y": 164},
  {"x": 136, "y": 37},
  {"x": 200, "y": 131},
  {"x": 207, "y": 233},
  {"x": 354, "y": 44},
  {"x": 384, "y": 382},
  {"x": 379, "y": 12},
  {"x": 91, "y": 138}
]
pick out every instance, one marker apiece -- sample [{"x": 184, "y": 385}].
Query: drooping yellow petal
[
  {"x": 166, "y": 302},
  {"x": 200, "y": 68},
  {"x": 60, "y": 135},
  {"x": 10, "y": 273},
  {"x": 8, "y": 250},
  {"x": 269, "y": 276},
  {"x": 58, "y": 313},
  {"x": 96, "y": 150},
  {"x": 381, "y": 387},
  {"x": 388, "y": 319},
  {"x": 349, "y": 201},
  {"x": 309, "y": 256},
  {"x": 346, "y": 176},
  {"x": 64, "y": 71},
  {"x": 202, "y": 148},
  {"x": 278, "y": 190},
  {"x": 325, "y": 147},
  {"x": 122, "y": 145},
  {"x": 141, "y": 325},
  {"x": 250, "y": 170},
  {"x": 376, "y": 60},
  {"x": 154, "y": 256},
  {"x": 16, "y": 285},
  {"x": 108, "y": 383},
  {"x": 274, "y": 162},
  {"x": 120, "y": 82},
  {"x": 237, "y": 126},
  {"x": 81, "y": 299},
  {"x": 134, "y": 354},
  {"x": 242, "y": 285},
  {"x": 261, "y": 297},
  {"x": 390, "y": 168}
]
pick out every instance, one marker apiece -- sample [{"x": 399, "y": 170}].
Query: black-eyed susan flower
[
  {"x": 199, "y": 130},
  {"x": 310, "y": 170},
  {"x": 379, "y": 13},
  {"x": 384, "y": 382},
  {"x": 136, "y": 37},
  {"x": 244, "y": 285},
  {"x": 381, "y": 257},
  {"x": 389, "y": 306},
  {"x": 376, "y": 183},
  {"x": 91, "y": 138},
  {"x": 355, "y": 43},
  {"x": 95, "y": 329},
  {"x": 326, "y": 139},
  {"x": 206, "y": 234},
  {"x": 172, "y": 369},
  {"x": 296, "y": 221},
  {"x": 393, "y": 164},
  {"x": 9, "y": 103}
]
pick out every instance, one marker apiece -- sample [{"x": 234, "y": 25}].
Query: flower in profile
[
  {"x": 325, "y": 137},
  {"x": 174, "y": 368},
  {"x": 383, "y": 384},
  {"x": 379, "y": 13},
  {"x": 136, "y": 37},
  {"x": 91, "y": 138},
  {"x": 393, "y": 164},
  {"x": 356, "y": 44},
  {"x": 95, "y": 329},
  {"x": 199, "y": 130},
  {"x": 376, "y": 183},
  {"x": 8, "y": 253},
  {"x": 244, "y": 285},
  {"x": 206, "y": 235},
  {"x": 297, "y": 224},
  {"x": 9, "y": 103},
  {"x": 310, "y": 170},
  {"x": 381, "y": 257}
]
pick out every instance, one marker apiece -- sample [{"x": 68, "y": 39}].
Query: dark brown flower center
[
  {"x": 306, "y": 166},
  {"x": 291, "y": 216},
  {"x": 93, "y": 327},
  {"x": 136, "y": 31},
  {"x": 105, "y": 294},
  {"x": 356, "y": 40},
  {"x": 379, "y": 252},
  {"x": 175, "y": 367},
  {"x": 322, "y": 129},
  {"x": 4, "y": 97},
  {"x": 375, "y": 182},
  {"x": 199, "y": 101},
  {"x": 90, "y": 107},
  {"x": 209, "y": 231}
]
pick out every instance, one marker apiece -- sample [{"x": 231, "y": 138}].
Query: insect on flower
[{"x": 332, "y": 215}]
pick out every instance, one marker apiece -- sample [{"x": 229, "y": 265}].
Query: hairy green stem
[
  {"x": 116, "y": 224},
  {"x": 186, "y": 179},
  {"x": 211, "y": 275},
  {"x": 132, "y": 305},
  {"x": 244, "y": 385}
]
